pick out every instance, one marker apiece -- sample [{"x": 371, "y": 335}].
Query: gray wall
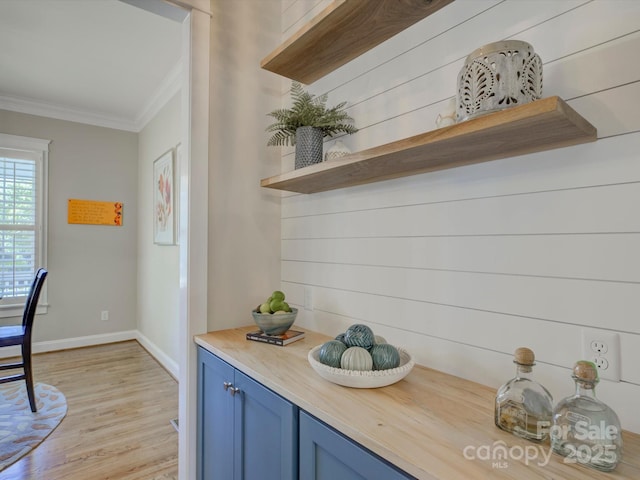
[
  {"x": 92, "y": 268},
  {"x": 158, "y": 274}
]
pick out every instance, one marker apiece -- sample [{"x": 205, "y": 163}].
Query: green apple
[
  {"x": 265, "y": 308},
  {"x": 276, "y": 305}
]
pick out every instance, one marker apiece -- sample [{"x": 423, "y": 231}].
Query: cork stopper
[
  {"x": 585, "y": 371},
  {"x": 524, "y": 356}
]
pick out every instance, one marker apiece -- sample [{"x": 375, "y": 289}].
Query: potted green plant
[{"x": 306, "y": 123}]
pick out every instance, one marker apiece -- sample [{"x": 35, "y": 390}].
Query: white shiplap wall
[{"x": 462, "y": 266}]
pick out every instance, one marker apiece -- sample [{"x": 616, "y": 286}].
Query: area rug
[{"x": 21, "y": 430}]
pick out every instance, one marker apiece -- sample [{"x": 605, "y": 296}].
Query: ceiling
[{"x": 102, "y": 62}]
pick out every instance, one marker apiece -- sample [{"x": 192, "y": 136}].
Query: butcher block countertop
[{"x": 430, "y": 424}]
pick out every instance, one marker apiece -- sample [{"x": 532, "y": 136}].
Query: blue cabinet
[
  {"x": 248, "y": 432},
  {"x": 326, "y": 454},
  {"x": 245, "y": 431},
  {"x": 215, "y": 418}
]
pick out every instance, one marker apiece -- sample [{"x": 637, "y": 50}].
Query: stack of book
[{"x": 286, "y": 338}]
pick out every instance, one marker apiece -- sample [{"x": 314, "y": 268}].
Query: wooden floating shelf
[
  {"x": 343, "y": 31},
  {"x": 537, "y": 126}
]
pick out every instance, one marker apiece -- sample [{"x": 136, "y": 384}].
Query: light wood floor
[{"x": 119, "y": 405}]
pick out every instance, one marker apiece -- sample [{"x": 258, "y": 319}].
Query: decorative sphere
[
  {"x": 385, "y": 356},
  {"x": 331, "y": 353},
  {"x": 356, "y": 358},
  {"x": 359, "y": 335}
]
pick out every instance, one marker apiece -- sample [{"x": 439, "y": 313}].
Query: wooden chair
[{"x": 21, "y": 335}]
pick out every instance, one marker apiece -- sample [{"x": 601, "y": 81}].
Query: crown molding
[
  {"x": 60, "y": 112},
  {"x": 166, "y": 90},
  {"x": 170, "y": 85}
]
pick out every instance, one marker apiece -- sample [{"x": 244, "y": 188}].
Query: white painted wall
[
  {"x": 244, "y": 219},
  {"x": 158, "y": 273},
  {"x": 91, "y": 268},
  {"x": 464, "y": 265}
]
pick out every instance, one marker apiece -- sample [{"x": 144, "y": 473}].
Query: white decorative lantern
[{"x": 498, "y": 76}]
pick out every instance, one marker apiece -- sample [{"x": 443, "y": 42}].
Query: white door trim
[{"x": 193, "y": 227}]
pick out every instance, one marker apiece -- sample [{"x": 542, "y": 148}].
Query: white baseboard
[
  {"x": 54, "y": 345},
  {"x": 75, "y": 342},
  {"x": 168, "y": 363}
]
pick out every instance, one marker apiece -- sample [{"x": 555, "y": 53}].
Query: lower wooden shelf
[{"x": 545, "y": 124}]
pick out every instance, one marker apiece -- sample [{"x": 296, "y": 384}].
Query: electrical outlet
[
  {"x": 602, "y": 347},
  {"x": 104, "y": 315},
  {"x": 599, "y": 347},
  {"x": 602, "y": 363}
]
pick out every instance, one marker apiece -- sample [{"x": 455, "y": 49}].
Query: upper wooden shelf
[
  {"x": 343, "y": 31},
  {"x": 541, "y": 125}
]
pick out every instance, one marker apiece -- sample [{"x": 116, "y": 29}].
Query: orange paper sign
[{"x": 91, "y": 212}]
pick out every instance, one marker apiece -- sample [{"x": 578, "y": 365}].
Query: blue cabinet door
[
  {"x": 245, "y": 431},
  {"x": 266, "y": 428},
  {"x": 215, "y": 418},
  {"x": 326, "y": 454}
]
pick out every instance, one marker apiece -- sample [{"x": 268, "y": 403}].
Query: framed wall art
[
  {"x": 164, "y": 218},
  {"x": 94, "y": 212}
]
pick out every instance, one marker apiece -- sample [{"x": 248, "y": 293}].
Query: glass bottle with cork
[
  {"x": 523, "y": 406},
  {"x": 586, "y": 430}
]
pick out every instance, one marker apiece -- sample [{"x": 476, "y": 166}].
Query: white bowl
[{"x": 362, "y": 379}]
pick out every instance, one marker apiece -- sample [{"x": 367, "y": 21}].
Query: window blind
[{"x": 18, "y": 224}]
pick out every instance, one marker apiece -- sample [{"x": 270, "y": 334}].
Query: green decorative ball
[
  {"x": 331, "y": 352},
  {"x": 359, "y": 335},
  {"x": 385, "y": 356}
]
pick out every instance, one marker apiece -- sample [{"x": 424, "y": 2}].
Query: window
[{"x": 23, "y": 180}]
